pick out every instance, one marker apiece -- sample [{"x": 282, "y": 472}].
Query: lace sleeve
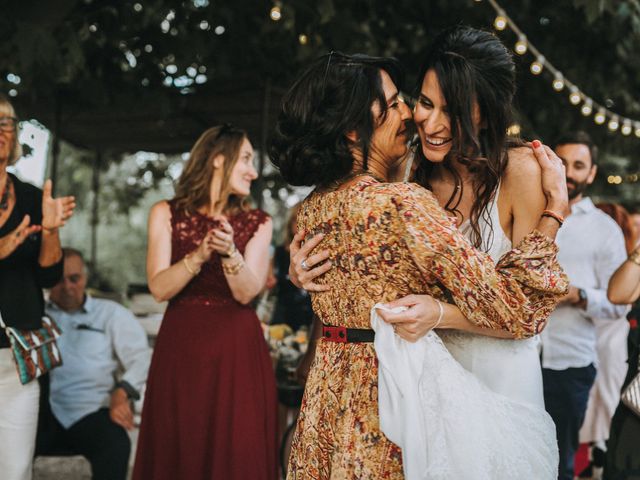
[
  {"x": 517, "y": 295},
  {"x": 247, "y": 224}
]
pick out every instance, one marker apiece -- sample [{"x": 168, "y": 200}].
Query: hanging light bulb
[
  {"x": 587, "y": 107},
  {"x": 303, "y": 39},
  {"x": 558, "y": 82},
  {"x": 521, "y": 45},
  {"x": 500, "y": 23},
  {"x": 537, "y": 65},
  {"x": 276, "y": 13},
  {"x": 637, "y": 125},
  {"x": 600, "y": 117},
  {"x": 626, "y": 128},
  {"x": 614, "y": 123},
  {"x": 574, "y": 98},
  {"x": 514, "y": 130}
]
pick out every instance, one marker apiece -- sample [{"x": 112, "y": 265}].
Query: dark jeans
[
  {"x": 105, "y": 444},
  {"x": 566, "y": 393}
]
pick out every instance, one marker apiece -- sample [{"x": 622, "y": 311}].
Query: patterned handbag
[
  {"x": 631, "y": 394},
  {"x": 34, "y": 351}
]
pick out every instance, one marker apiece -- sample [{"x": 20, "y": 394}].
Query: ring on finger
[{"x": 304, "y": 266}]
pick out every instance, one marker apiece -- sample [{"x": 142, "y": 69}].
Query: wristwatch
[
  {"x": 582, "y": 294},
  {"x": 132, "y": 393}
]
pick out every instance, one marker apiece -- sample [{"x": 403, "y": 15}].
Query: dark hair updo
[
  {"x": 332, "y": 97},
  {"x": 473, "y": 66}
]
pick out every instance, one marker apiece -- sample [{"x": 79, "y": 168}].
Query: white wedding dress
[
  {"x": 509, "y": 367},
  {"x": 466, "y": 406},
  {"x": 449, "y": 425}
]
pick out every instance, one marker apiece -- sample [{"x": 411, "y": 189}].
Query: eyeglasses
[{"x": 8, "y": 124}]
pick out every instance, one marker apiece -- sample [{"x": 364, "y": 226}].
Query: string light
[
  {"x": 537, "y": 65},
  {"x": 276, "y": 13},
  {"x": 558, "y": 83},
  {"x": 521, "y": 45},
  {"x": 574, "y": 98},
  {"x": 303, "y": 39},
  {"x": 614, "y": 121},
  {"x": 514, "y": 130},
  {"x": 500, "y": 23}
]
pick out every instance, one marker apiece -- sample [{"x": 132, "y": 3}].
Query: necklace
[{"x": 4, "y": 200}]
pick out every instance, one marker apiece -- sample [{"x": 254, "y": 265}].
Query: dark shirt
[
  {"x": 293, "y": 305},
  {"x": 21, "y": 276}
]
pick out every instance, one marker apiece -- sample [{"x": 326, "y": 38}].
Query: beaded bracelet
[{"x": 234, "y": 268}]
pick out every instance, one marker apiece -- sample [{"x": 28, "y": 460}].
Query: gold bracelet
[
  {"x": 192, "y": 271},
  {"x": 234, "y": 268},
  {"x": 232, "y": 250},
  {"x": 634, "y": 257}
]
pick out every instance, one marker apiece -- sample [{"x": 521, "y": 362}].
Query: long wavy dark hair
[
  {"x": 332, "y": 97},
  {"x": 473, "y": 66}
]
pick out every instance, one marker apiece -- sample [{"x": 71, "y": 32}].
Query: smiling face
[
  {"x": 244, "y": 172},
  {"x": 433, "y": 121},
  {"x": 389, "y": 139}
]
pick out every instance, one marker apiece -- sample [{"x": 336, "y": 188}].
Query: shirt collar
[
  {"x": 87, "y": 306},
  {"x": 583, "y": 206}
]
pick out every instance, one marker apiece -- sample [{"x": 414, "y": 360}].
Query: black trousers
[
  {"x": 566, "y": 393},
  {"x": 96, "y": 437}
]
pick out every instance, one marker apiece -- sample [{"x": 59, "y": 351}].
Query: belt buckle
[{"x": 335, "y": 334}]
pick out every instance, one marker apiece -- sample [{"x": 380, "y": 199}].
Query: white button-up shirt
[
  {"x": 95, "y": 340},
  {"x": 591, "y": 247}
]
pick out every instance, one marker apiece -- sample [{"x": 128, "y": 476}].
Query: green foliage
[{"x": 89, "y": 54}]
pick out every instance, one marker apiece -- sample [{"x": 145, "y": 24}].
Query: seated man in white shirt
[{"x": 89, "y": 412}]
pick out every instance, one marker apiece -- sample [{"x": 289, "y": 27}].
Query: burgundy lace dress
[{"x": 210, "y": 404}]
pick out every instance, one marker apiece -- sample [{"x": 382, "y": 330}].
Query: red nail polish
[{"x": 536, "y": 144}]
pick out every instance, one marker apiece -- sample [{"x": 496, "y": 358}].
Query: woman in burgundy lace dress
[{"x": 210, "y": 407}]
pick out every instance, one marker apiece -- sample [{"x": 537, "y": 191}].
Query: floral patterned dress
[{"x": 388, "y": 241}]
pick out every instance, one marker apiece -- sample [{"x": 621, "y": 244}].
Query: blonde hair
[
  {"x": 193, "y": 190},
  {"x": 6, "y": 110}
]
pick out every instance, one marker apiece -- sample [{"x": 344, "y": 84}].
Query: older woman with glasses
[{"x": 30, "y": 260}]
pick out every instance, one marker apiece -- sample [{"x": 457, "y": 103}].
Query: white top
[
  {"x": 509, "y": 367},
  {"x": 591, "y": 247},
  {"x": 494, "y": 241}
]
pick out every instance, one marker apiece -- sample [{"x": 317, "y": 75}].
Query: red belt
[{"x": 347, "y": 335}]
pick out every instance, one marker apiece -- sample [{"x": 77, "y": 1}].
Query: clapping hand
[
  {"x": 55, "y": 211},
  {"x": 222, "y": 239},
  {"x": 14, "y": 239}
]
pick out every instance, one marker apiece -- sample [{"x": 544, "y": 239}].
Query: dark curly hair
[
  {"x": 473, "y": 66},
  {"x": 332, "y": 97}
]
